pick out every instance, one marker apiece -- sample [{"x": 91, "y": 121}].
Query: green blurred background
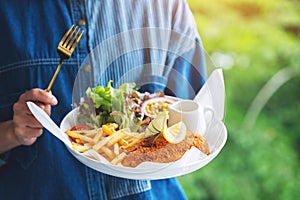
[{"x": 257, "y": 43}]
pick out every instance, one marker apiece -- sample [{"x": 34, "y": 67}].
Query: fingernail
[
  {"x": 52, "y": 97},
  {"x": 54, "y": 100}
]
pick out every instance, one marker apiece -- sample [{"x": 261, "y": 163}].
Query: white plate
[
  {"x": 192, "y": 160},
  {"x": 212, "y": 94}
]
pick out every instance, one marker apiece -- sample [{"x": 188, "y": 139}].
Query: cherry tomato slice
[{"x": 80, "y": 127}]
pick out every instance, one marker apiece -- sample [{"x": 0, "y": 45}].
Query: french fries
[
  {"x": 121, "y": 146},
  {"x": 107, "y": 141}
]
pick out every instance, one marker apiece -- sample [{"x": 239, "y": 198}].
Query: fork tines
[
  {"x": 71, "y": 38},
  {"x": 65, "y": 48}
]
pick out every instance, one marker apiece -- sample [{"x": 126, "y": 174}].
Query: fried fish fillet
[{"x": 157, "y": 149}]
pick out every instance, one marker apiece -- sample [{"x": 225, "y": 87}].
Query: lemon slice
[
  {"x": 157, "y": 124},
  {"x": 174, "y": 134}
]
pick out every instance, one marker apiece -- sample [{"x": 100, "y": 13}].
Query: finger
[
  {"x": 28, "y": 132},
  {"x": 27, "y": 121},
  {"x": 39, "y": 95},
  {"x": 21, "y": 109},
  {"x": 45, "y": 107},
  {"x": 27, "y": 136}
]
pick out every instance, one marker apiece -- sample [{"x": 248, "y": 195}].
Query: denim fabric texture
[{"x": 30, "y": 32}]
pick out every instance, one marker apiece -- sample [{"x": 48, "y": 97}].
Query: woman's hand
[{"x": 25, "y": 127}]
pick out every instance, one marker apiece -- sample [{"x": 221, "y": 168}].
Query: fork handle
[{"x": 54, "y": 76}]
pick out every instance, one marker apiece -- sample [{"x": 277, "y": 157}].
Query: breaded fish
[{"x": 157, "y": 149}]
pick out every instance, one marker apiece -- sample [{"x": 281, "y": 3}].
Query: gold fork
[{"x": 65, "y": 49}]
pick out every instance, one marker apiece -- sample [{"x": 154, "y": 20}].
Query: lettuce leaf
[{"x": 107, "y": 104}]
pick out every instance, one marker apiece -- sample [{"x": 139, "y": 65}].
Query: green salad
[{"x": 125, "y": 106}]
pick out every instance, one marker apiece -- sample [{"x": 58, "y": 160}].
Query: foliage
[{"x": 261, "y": 37}]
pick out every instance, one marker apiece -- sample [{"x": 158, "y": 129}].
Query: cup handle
[{"x": 211, "y": 116}]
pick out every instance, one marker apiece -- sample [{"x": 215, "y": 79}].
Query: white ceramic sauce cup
[{"x": 196, "y": 117}]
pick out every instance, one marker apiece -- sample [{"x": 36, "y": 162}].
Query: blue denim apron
[{"x": 30, "y": 32}]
